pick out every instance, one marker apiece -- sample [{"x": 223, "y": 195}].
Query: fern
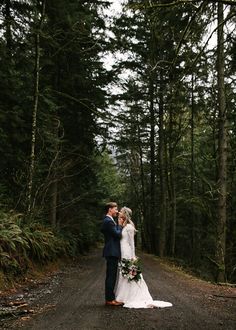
[{"x": 21, "y": 242}]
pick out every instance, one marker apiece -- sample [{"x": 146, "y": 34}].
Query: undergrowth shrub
[{"x": 22, "y": 242}]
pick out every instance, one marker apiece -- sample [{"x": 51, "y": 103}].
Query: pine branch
[
  {"x": 176, "y": 3},
  {"x": 187, "y": 29},
  {"x": 206, "y": 43},
  {"x": 68, "y": 96}
]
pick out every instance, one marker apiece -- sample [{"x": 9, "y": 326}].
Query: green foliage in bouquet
[{"x": 130, "y": 269}]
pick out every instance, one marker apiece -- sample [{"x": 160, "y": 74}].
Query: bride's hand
[{"x": 120, "y": 221}]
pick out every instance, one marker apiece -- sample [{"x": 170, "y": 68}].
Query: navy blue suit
[{"x": 111, "y": 251}]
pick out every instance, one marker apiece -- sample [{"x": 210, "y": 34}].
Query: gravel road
[{"x": 74, "y": 299}]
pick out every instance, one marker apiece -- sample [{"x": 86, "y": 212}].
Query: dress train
[{"x": 134, "y": 294}]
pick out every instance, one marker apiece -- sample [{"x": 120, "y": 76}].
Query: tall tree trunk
[
  {"x": 222, "y": 151},
  {"x": 143, "y": 206},
  {"x": 53, "y": 208},
  {"x": 152, "y": 165},
  {"x": 163, "y": 206},
  {"x": 8, "y": 22},
  {"x": 192, "y": 166},
  {"x": 172, "y": 189},
  {"x": 35, "y": 106},
  {"x": 173, "y": 205},
  {"x": 192, "y": 139},
  {"x": 54, "y": 184},
  {"x": 55, "y": 133}
]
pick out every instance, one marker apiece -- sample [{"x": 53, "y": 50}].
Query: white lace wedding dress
[{"x": 133, "y": 294}]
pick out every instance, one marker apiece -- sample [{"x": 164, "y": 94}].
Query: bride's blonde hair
[{"x": 128, "y": 214}]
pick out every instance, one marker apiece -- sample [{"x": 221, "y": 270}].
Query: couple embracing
[{"x": 121, "y": 288}]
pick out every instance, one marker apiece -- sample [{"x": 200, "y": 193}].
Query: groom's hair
[{"x": 110, "y": 205}]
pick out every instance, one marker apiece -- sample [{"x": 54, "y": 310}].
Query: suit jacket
[{"x": 112, "y": 234}]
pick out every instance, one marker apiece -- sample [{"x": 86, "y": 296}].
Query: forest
[{"x": 135, "y": 106}]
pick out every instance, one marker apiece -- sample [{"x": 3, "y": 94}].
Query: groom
[{"x": 112, "y": 234}]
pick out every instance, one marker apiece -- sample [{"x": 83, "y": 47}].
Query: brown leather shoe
[
  {"x": 120, "y": 302},
  {"x": 113, "y": 303}
]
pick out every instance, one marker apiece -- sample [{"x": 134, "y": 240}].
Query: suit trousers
[{"x": 111, "y": 274}]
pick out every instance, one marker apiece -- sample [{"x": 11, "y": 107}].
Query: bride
[{"x": 134, "y": 294}]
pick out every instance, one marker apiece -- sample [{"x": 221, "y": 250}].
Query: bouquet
[{"x": 130, "y": 269}]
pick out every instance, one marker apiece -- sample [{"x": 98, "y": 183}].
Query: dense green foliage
[
  {"x": 52, "y": 97},
  {"x": 160, "y": 110},
  {"x": 22, "y": 244},
  {"x": 170, "y": 131}
]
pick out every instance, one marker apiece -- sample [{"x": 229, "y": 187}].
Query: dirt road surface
[{"x": 74, "y": 299}]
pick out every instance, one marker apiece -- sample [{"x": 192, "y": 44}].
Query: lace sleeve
[{"x": 130, "y": 232}]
